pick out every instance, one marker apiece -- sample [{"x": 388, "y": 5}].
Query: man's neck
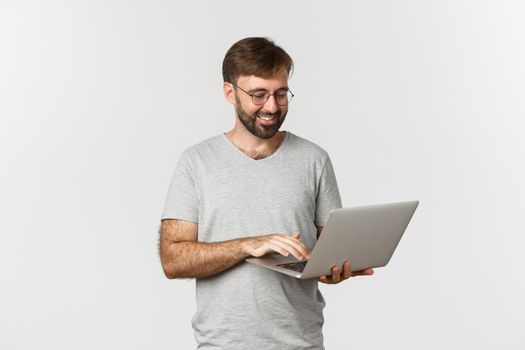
[{"x": 255, "y": 147}]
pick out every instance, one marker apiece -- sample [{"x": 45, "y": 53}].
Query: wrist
[{"x": 244, "y": 247}]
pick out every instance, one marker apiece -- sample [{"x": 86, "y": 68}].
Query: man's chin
[
  {"x": 257, "y": 129},
  {"x": 265, "y": 137},
  {"x": 268, "y": 133}
]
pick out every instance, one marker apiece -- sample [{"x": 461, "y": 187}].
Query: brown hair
[{"x": 255, "y": 56}]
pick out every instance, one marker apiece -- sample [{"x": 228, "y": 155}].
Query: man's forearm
[{"x": 198, "y": 259}]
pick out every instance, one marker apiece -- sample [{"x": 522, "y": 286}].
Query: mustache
[{"x": 276, "y": 114}]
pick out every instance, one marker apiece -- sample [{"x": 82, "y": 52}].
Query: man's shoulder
[
  {"x": 303, "y": 145},
  {"x": 204, "y": 148}
]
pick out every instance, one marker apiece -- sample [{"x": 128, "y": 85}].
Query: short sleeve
[
  {"x": 328, "y": 197},
  {"x": 182, "y": 201}
]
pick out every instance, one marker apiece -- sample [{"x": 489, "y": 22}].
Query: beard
[{"x": 251, "y": 122}]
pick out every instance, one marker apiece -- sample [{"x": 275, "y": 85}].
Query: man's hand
[
  {"x": 280, "y": 243},
  {"x": 337, "y": 277}
]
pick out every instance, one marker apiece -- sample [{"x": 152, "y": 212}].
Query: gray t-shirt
[{"x": 231, "y": 195}]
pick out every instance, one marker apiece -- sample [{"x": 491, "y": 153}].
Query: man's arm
[{"x": 183, "y": 257}]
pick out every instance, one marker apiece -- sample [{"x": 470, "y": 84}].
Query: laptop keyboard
[{"x": 296, "y": 266}]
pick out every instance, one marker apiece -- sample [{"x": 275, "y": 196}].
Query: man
[{"x": 248, "y": 192}]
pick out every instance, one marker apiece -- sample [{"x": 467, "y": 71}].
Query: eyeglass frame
[{"x": 267, "y": 98}]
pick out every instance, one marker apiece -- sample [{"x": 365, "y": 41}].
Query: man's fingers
[
  {"x": 295, "y": 244},
  {"x": 298, "y": 244},
  {"x": 366, "y": 272},
  {"x": 290, "y": 248},
  {"x": 281, "y": 243},
  {"x": 276, "y": 248},
  {"x": 347, "y": 270},
  {"x": 336, "y": 276}
]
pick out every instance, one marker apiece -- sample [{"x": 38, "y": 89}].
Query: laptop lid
[{"x": 367, "y": 236}]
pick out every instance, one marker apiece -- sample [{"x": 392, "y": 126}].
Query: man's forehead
[{"x": 254, "y": 82}]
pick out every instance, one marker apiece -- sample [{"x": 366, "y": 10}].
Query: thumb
[{"x": 296, "y": 234}]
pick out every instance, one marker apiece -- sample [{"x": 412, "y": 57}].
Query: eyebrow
[{"x": 263, "y": 89}]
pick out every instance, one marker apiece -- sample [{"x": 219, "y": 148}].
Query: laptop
[{"x": 366, "y": 236}]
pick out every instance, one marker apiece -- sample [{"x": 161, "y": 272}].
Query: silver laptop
[{"x": 366, "y": 236}]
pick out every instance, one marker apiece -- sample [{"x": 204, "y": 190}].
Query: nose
[{"x": 271, "y": 105}]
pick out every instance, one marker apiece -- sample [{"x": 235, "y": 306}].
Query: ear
[{"x": 229, "y": 92}]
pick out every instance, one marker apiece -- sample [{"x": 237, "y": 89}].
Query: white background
[{"x": 412, "y": 99}]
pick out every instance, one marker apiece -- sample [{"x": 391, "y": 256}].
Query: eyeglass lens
[{"x": 281, "y": 97}]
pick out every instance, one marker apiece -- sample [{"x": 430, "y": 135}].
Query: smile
[{"x": 267, "y": 118}]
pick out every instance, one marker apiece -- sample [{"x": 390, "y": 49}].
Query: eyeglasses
[{"x": 282, "y": 98}]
